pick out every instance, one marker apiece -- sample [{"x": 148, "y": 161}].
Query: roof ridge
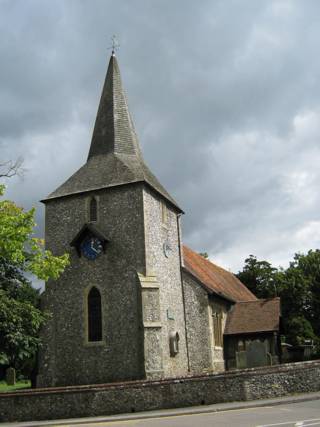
[
  {"x": 207, "y": 260},
  {"x": 259, "y": 300}
]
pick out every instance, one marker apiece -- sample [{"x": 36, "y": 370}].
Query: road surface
[{"x": 302, "y": 414}]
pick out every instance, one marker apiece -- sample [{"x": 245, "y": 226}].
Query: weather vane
[{"x": 115, "y": 44}]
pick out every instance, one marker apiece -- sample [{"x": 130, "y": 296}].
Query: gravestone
[
  {"x": 241, "y": 359},
  {"x": 256, "y": 354},
  {"x": 11, "y": 376}
]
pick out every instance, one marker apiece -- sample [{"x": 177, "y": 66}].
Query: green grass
[{"x": 18, "y": 386}]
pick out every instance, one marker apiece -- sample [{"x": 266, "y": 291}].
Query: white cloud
[{"x": 269, "y": 195}]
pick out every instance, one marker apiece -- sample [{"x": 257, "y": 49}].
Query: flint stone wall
[
  {"x": 167, "y": 271},
  {"x": 107, "y": 399},
  {"x": 204, "y": 356},
  {"x": 66, "y": 356}
]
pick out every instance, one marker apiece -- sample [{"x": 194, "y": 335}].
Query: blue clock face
[{"x": 91, "y": 247}]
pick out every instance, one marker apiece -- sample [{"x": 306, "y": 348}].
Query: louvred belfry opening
[{"x": 93, "y": 210}]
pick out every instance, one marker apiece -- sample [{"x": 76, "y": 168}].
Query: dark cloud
[{"x": 224, "y": 95}]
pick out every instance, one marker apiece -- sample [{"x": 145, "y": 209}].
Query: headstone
[
  {"x": 11, "y": 376},
  {"x": 257, "y": 354},
  {"x": 241, "y": 359},
  {"x": 307, "y": 352}
]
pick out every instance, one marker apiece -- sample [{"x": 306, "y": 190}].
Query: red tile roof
[
  {"x": 215, "y": 279},
  {"x": 253, "y": 316}
]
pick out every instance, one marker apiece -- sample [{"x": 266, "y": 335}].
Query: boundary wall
[{"x": 135, "y": 396}]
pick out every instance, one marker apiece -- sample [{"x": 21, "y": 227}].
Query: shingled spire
[
  {"x": 114, "y": 157},
  {"x": 113, "y": 130}
]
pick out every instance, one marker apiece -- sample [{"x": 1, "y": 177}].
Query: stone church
[{"x": 134, "y": 302}]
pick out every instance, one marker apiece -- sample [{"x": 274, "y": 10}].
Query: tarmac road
[{"x": 301, "y": 414}]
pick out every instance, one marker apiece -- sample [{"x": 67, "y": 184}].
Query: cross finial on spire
[{"x": 115, "y": 44}]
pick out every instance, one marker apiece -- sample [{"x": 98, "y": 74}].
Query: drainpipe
[{"x": 182, "y": 290}]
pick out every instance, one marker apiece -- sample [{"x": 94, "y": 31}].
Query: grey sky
[{"x": 225, "y": 98}]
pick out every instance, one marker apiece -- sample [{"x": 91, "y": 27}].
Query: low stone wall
[{"x": 107, "y": 399}]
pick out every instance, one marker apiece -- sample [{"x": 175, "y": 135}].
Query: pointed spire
[
  {"x": 113, "y": 131},
  {"x": 114, "y": 157}
]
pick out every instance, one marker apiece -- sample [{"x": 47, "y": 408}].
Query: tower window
[
  {"x": 164, "y": 213},
  {"x": 93, "y": 210},
  {"x": 94, "y": 315}
]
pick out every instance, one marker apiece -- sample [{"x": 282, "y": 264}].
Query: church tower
[{"x": 117, "y": 312}]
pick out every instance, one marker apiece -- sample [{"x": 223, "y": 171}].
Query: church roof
[
  {"x": 246, "y": 317},
  {"x": 114, "y": 157},
  {"x": 215, "y": 279}
]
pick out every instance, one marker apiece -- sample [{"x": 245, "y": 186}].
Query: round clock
[{"x": 91, "y": 247}]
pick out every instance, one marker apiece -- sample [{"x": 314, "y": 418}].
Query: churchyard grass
[{"x": 19, "y": 385}]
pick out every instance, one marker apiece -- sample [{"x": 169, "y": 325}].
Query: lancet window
[{"x": 94, "y": 315}]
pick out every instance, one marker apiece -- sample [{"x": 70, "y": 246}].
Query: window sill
[{"x": 94, "y": 343}]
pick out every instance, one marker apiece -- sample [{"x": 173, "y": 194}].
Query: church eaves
[{"x": 114, "y": 157}]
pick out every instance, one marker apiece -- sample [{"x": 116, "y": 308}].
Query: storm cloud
[{"x": 225, "y": 99}]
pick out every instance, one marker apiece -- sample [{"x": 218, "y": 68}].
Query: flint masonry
[{"x": 133, "y": 303}]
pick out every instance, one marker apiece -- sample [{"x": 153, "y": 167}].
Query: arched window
[
  {"x": 94, "y": 315},
  {"x": 93, "y": 209}
]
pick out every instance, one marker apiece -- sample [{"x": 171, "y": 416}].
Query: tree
[
  {"x": 11, "y": 168},
  {"x": 19, "y": 248},
  {"x": 298, "y": 329},
  {"x": 20, "y": 323},
  {"x": 308, "y": 267},
  {"x": 204, "y": 254},
  {"x": 20, "y": 317},
  {"x": 298, "y": 287},
  {"x": 20, "y": 252},
  {"x": 260, "y": 277}
]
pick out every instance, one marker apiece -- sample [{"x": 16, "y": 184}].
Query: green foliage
[
  {"x": 299, "y": 289},
  {"x": 260, "y": 277},
  {"x": 204, "y": 254},
  {"x": 18, "y": 247},
  {"x": 20, "y": 316},
  {"x": 4, "y": 387},
  {"x": 20, "y": 323},
  {"x": 15, "y": 284},
  {"x": 309, "y": 266},
  {"x": 298, "y": 330}
]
